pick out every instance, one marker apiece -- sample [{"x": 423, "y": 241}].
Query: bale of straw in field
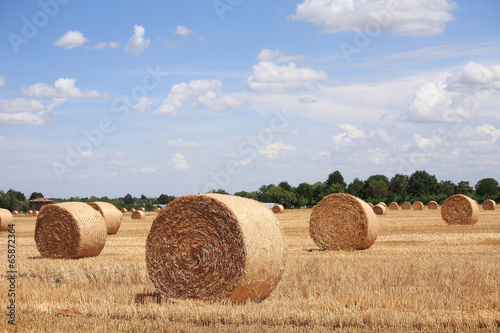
[
  {"x": 418, "y": 205},
  {"x": 143, "y": 209},
  {"x": 6, "y": 218},
  {"x": 15, "y": 212},
  {"x": 382, "y": 203},
  {"x": 278, "y": 209},
  {"x": 343, "y": 222},
  {"x": 69, "y": 230},
  {"x": 459, "y": 209},
  {"x": 406, "y": 206},
  {"x": 112, "y": 216},
  {"x": 379, "y": 209},
  {"x": 123, "y": 210},
  {"x": 35, "y": 213},
  {"x": 215, "y": 247},
  {"x": 393, "y": 206},
  {"x": 157, "y": 209},
  {"x": 489, "y": 204},
  {"x": 370, "y": 204},
  {"x": 132, "y": 210},
  {"x": 138, "y": 215},
  {"x": 30, "y": 212},
  {"x": 432, "y": 205}
]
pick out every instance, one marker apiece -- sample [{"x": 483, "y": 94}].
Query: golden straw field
[{"x": 420, "y": 275}]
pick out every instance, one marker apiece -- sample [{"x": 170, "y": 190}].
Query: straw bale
[
  {"x": 112, "y": 215},
  {"x": 432, "y": 205},
  {"x": 143, "y": 209},
  {"x": 370, "y": 204},
  {"x": 393, "y": 206},
  {"x": 215, "y": 247},
  {"x": 157, "y": 209},
  {"x": 406, "y": 206},
  {"x": 35, "y": 213},
  {"x": 489, "y": 204},
  {"x": 15, "y": 212},
  {"x": 459, "y": 209},
  {"x": 343, "y": 222},
  {"x": 138, "y": 215},
  {"x": 132, "y": 210},
  {"x": 6, "y": 218},
  {"x": 123, "y": 210},
  {"x": 418, "y": 205},
  {"x": 382, "y": 203},
  {"x": 379, "y": 209},
  {"x": 278, "y": 209},
  {"x": 69, "y": 230},
  {"x": 30, "y": 212}
]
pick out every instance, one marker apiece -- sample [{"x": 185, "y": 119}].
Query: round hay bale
[
  {"x": 459, "y": 209},
  {"x": 418, "y": 205},
  {"x": 123, "y": 210},
  {"x": 215, "y": 247},
  {"x": 15, "y": 212},
  {"x": 132, "y": 210},
  {"x": 6, "y": 218},
  {"x": 343, "y": 222},
  {"x": 370, "y": 204},
  {"x": 35, "y": 213},
  {"x": 278, "y": 209},
  {"x": 112, "y": 216},
  {"x": 157, "y": 209},
  {"x": 379, "y": 209},
  {"x": 30, "y": 212},
  {"x": 138, "y": 215},
  {"x": 432, "y": 205},
  {"x": 489, "y": 204},
  {"x": 69, "y": 230},
  {"x": 393, "y": 206},
  {"x": 406, "y": 206},
  {"x": 143, "y": 209},
  {"x": 382, "y": 203}
]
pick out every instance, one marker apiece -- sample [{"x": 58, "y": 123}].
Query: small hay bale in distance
[
  {"x": 30, "y": 212},
  {"x": 157, "y": 209},
  {"x": 418, "y": 205},
  {"x": 138, "y": 215},
  {"x": 35, "y": 213},
  {"x": 406, "y": 206},
  {"x": 278, "y": 209},
  {"x": 432, "y": 205},
  {"x": 459, "y": 209},
  {"x": 15, "y": 212},
  {"x": 370, "y": 204},
  {"x": 69, "y": 230},
  {"x": 382, "y": 203},
  {"x": 6, "y": 218},
  {"x": 132, "y": 210},
  {"x": 489, "y": 204},
  {"x": 215, "y": 247},
  {"x": 112, "y": 215},
  {"x": 393, "y": 206},
  {"x": 343, "y": 222},
  {"x": 123, "y": 210},
  {"x": 379, "y": 209},
  {"x": 143, "y": 209}
]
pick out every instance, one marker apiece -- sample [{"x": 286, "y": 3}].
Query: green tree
[
  {"x": 447, "y": 187},
  {"x": 318, "y": 194},
  {"x": 284, "y": 185},
  {"x": 164, "y": 199},
  {"x": 463, "y": 187},
  {"x": 128, "y": 199},
  {"x": 305, "y": 194},
  {"x": 219, "y": 191},
  {"x": 422, "y": 183},
  {"x": 487, "y": 187},
  {"x": 36, "y": 195},
  {"x": 335, "y": 178},
  {"x": 356, "y": 188},
  {"x": 335, "y": 188},
  {"x": 277, "y": 194},
  {"x": 399, "y": 185},
  {"x": 378, "y": 189}
]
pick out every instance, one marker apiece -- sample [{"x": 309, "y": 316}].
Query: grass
[{"x": 420, "y": 275}]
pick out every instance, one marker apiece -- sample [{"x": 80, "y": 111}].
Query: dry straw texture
[
  {"x": 489, "y": 205},
  {"x": 30, "y": 212},
  {"x": 112, "y": 215},
  {"x": 138, "y": 215},
  {"x": 393, "y": 206},
  {"x": 343, "y": 222},
  {"x": 69, "y": 230},
  {"x": 432, "y": 205},
  {"x": 382, "y": 203},
  {"x": 460, "y": 209},
  {"x": 406, "y": 206},
  {"x": 370, "y": 204},
  {"x": 157, "y": 210},
  {"x": 278, "y": 209},
  {"x": 215, "y": 247},
  {"x": 418, "y": 205},
  {"x": 15, "y": 212},
  {"x": 132, "y": 210},
  {"x": 143, "y": 209},
  {"x": 6, "y": 218},
  {"x": 35, "y": 213},
  {"x": 123, "y": 210},
  {"x": 380, "y": 209}
]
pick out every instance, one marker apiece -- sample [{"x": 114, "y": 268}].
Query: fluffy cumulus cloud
[
  {"x": 199, "y": 93},
  {"x": 350, "y": 133},
  {"x": 62, "y": 88},
  {"x": 71, "y": 39},
  {"x": 274, "y": 150},
  {"x": 278, "y": 56},
  {"x": 142, "y": 106},
  {"x": 179, "y": 143},
  {"x": 178, "y": 162},
  {"x": 137, "y": 44},
  {"x": 21, "y": 111},
  {"x": 102, "y": 45},
  {"x": 182, "y": 31},
  {"x": 404, "y": 17}
]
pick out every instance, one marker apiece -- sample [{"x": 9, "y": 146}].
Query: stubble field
[{"x": 420, "y": 275}]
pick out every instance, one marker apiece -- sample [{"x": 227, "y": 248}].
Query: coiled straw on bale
[
  {"x": 460, "y": 209},
  {"x": 215, "y": 247},
  {"x": 278, "y": 209},
  {"x": 406, "y": 206},
  {"x": 343, "y": 222},
  {"x": 6, "y": 218},
  {"x": 432, "y": 205},
  {"x": 138, "y": 215},
  {"x": 393, "y": 206},
  {"x": 69, "y": 230},
  {"x": 418, "y": 205},
  {"x": 489, "y": 204},
  {"x": 379, "y": 209},
  {"x": 112, "y": 216}
]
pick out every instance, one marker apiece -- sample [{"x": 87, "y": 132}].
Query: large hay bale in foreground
[
  {"x": 69, "y": 230},
  {"x": 459, "y": 209},
  {"x": 432, "y": 205},
  {"x": 393, "y": 206},
  {"x": 380, "y": 209},
  {"x": 406, "y": 206},
  {"x": 138, "y": 215},
  {"x": 215, "y": 247},
  {"x": 489, "y": 204},
  {"x": 112, "y": 216},
  {"x": 417, "y": 205},
  {"x": 6, "y": 218},
  {"x": 278, "y": 209},
  {"x": 343, "y": 222}
]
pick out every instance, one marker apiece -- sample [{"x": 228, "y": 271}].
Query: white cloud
[
  {"x": 71, "y": 39},
  {"x": 380, "y": 134},
  {"x": 22, "y": 111},
  {"x": 2, "y": 81},
  {"x": 319, "y": 156},
  {"x": 183, "y": 31},
  {"x": 179, "y": 143},
  {"x": 403, "y": 17},
  {"x": 141, "y": 106},
  {"x": 102, "y": 45},
  {"x": 377, "y": 156},
  {"x": 350, "y": 133},
  {"x": 178, "y": 162},
  {"x": 145, "y": 170},
  {"x": 277, "y": 56},
  {"x": 63, "y": 88},
  {"x": 137, "y": 44},
  {"x": 275, "y": 149}
]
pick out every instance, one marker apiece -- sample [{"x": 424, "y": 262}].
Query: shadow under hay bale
[
  {"x": 460, "y": 209},
  {"x": 112, "y": 216}
]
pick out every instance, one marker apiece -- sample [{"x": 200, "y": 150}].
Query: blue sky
[{"x": 107, "y": 98}]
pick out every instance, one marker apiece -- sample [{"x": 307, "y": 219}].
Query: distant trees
[{"x": 487, "y": 187}]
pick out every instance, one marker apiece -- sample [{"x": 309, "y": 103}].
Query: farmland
[{"x": 420, "y": 274}]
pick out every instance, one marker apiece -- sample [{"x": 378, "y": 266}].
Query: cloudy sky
[{"x": 179, "y": 97}]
